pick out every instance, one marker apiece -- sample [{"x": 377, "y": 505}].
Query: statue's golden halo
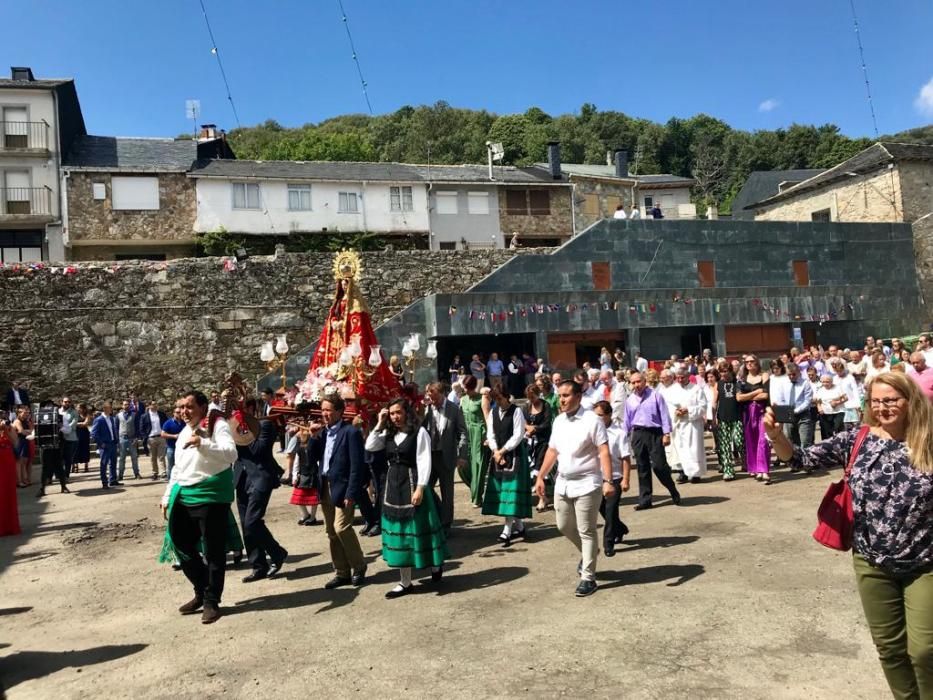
[{"x": 347, "y": 265}]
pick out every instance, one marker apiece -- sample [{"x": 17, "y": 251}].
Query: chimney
[
  {"x": 23, "y": 73},
  {"x": 208, "y": 132},
  {"x": 553, "y": 159},
  {"x": 621, "y": 160}
]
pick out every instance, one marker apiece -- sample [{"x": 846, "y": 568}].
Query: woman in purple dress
[{"x": 753, "y": 396}]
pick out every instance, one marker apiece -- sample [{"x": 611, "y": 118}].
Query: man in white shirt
[
  {"x": 580, "y": 443},
  {"x": 69, "y": 432},
  {"x": 641, "y": 364},
  {"x": 618, "y": 396},
  {"x": 196, "y": 505},
  {"x": 590, "y": 393},
  {"x": 794, "y": 390},
  {"x": 620, "y": 454},
  {"x": 925, "y": 346},
  {"x": 214, "y": 404},
  {"x": 668, "y": 389},
  {"x": 688, "y": 404}
]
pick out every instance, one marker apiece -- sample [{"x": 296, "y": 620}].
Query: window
[
  {"x": 539, "y": 202},
  {"x": 15, "y": 127},
  {"x": 299, "y": 197},
  {"x": 823, "y": 216},
  {"x": 516, "y": 202},
  {"x": 649, "y": 203},
  {"x": 478, "y": 202},
  {"x": 246, "y": 195},
  {"x": 591, "y": 204},
  {"x": 448, "y": 245},
  {"x": 99, "y": 190},
  {"x": 446, "y": 202},
  {"x": 802, "y": 273},
  {"x": 20, "y": 246},
  {"x": 348, "y": 203},
  {"x": 134, "y": 193},
  {"x": 706, "y": 271},
  {"x": 18, "y": 195},
  {"x": 400, "y": 199},
  {"x": 601, "y": 275}
]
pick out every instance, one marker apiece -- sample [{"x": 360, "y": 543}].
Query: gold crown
[{"x": 347, "y": 265}]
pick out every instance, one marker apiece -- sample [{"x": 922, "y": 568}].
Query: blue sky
[{"x": 752, "y": 63}]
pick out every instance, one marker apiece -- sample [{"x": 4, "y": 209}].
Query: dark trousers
[
  {"x": 443, "y": 474},
  {"x": 251, "y": 504},
  {"x": 649, "y": 456},
  {"x": 830, "y": 424},
  {"x": 69, "y": 452},
  {"x": 52, "y": 458},
  {"x": 108, "y": 463},
  {"x": 189, "y": 525},
  {"x": 614, "y": 528},
  {"x": 372, "y": 511}
]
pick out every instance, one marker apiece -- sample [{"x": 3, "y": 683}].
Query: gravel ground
[{"x": 724, "y": 597}]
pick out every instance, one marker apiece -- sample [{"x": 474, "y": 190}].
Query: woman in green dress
[
  {"x": 473, "y": 416},
  {"x": 544, "y": 383},
  {"x": 508, "y": 488},
  {"x": 412, "y": 534}
]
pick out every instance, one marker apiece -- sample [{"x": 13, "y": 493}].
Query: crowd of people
[{"x": 524, "y": 438}]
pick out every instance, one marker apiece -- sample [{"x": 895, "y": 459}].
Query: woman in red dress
[{"x": 9, "y": 511}]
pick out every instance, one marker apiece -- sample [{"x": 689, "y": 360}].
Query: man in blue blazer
[
  {"x": 256, "y": 474},
  {"x": 337, "y": 450},
  {"x": 106, "y": 435}
]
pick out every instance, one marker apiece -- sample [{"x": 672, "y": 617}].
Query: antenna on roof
[
  {"x": 193, "y": 112},
  {"x": 494, "y": 151}
]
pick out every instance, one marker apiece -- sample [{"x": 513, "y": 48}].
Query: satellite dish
[{"x": 498, "y": 151}]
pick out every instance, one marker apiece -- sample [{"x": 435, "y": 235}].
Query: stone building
[
  {"x": 764, "y": 184},
  {"x": 130, "y": 198},
  {"x": 887, "y": 182},
  {"x": 39, "y": 120},
  {"x": 663, "y": 287}
]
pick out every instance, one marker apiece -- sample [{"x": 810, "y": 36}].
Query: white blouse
[
  {"x": 518, "y": 430},
  {"x": 377, "y": 441}
]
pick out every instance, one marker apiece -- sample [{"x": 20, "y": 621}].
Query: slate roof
[
  {"x": 46, "y": 84},
  {"x": 142, "y": 154},
  {"x": 762, "y": 184},
  {"x": 339, "y": 171},
  {"x": 872, "y": 158},
  {"x": 590, "y": 170}
]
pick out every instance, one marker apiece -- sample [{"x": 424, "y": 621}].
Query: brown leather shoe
[
  {"x": 192, "y": 606},
  {"x": 211, "y": 614}
]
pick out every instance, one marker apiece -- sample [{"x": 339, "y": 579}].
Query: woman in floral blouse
[{"x": 892, "y": 497}]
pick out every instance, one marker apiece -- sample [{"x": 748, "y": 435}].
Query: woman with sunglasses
[{"x": 891, "y": 479}]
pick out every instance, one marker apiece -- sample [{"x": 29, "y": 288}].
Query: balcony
[
  {"x": 24, "y": 138},
  {"x": 25, "y": 205}
]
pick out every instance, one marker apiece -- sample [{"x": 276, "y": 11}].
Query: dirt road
[{"x": 724, "y": 597}]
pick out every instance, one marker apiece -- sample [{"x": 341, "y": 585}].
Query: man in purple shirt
[{"x": 648, "y": 423}]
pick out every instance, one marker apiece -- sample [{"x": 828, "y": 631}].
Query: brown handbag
[{"x": 835, "y": 515}]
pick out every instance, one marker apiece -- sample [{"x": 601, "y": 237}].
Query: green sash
[{"x": 215, "y": 489}]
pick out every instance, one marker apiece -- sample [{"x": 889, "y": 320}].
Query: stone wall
[
  {"x": 865, "y": 198},
  {"x": 95, "y": 331},
  {"x": 597, "y": 199},
  {"x": 94, "y": 223},
  {"x": 557, "y": 224}
]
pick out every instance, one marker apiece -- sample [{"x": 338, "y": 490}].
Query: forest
[{"x": 707, "y": 149}]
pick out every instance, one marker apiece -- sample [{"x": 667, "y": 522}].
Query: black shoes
[
  {"x": 643, "y": 506},
  {"x": 359, "y": 576},
  {"x": 675, "y": 499},
  {"x": 277, "y": 565},
  {"x": 375, "y": 531},
  {"x": 211, "y": 614},
  {"x": 609, "y": 549},
  {"x": 192, "y": 606},
  {"x": 585, "y": 588},
  {"x": 365, "y": 531},
  {"x": 682, "y": 479},
  {"x": 437, "y": 576},
  {"x": 399, "y": 591},
  {"x": 309, "y": 521},
  {"x": 695, "y": 480},
  {"x": 336, "y": 582},
  {"x": 255, "y": 575},
  {"x": 506, "y": 540}
]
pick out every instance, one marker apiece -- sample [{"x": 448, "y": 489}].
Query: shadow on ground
[
  {"x": 681, "y": 573},
  {"x": 27, "y": 665}
]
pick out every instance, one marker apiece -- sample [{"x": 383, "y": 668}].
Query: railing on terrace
[
  {"x": 19, "y": 136},
  {"x": 25, "y": 201}
]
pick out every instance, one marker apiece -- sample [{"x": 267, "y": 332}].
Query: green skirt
[
  {"x": 508, "y": 493},
  {"x": 416, "y": 542}
]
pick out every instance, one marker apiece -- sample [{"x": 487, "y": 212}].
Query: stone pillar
[
  {"x": 719, "y": 340},
  {"x": 541, "y": 346},
  {"x": 633, "y": 341}
]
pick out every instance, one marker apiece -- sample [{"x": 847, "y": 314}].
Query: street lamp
[
  {"x": 410, "y": 350},
  {"x": 275, "y": 355}
]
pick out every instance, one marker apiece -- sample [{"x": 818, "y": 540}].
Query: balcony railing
[
  {"x": 25, "y": 201},
  {"x": 24, "y": 136}
]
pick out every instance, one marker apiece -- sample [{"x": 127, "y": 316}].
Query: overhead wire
[
  {"x": 223, "y": 74},
  {"x": 356, "y": 58},
  {"x": 861, "y": 53}
]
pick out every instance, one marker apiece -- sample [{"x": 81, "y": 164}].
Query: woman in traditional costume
[
  {"x": 508, "y": 488},
  {"x": 412, "y": 534},
  {"x": 471, "y": 404},
  {"x": 538, "y": 419},
  {"x": 304, "y": 476}
]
